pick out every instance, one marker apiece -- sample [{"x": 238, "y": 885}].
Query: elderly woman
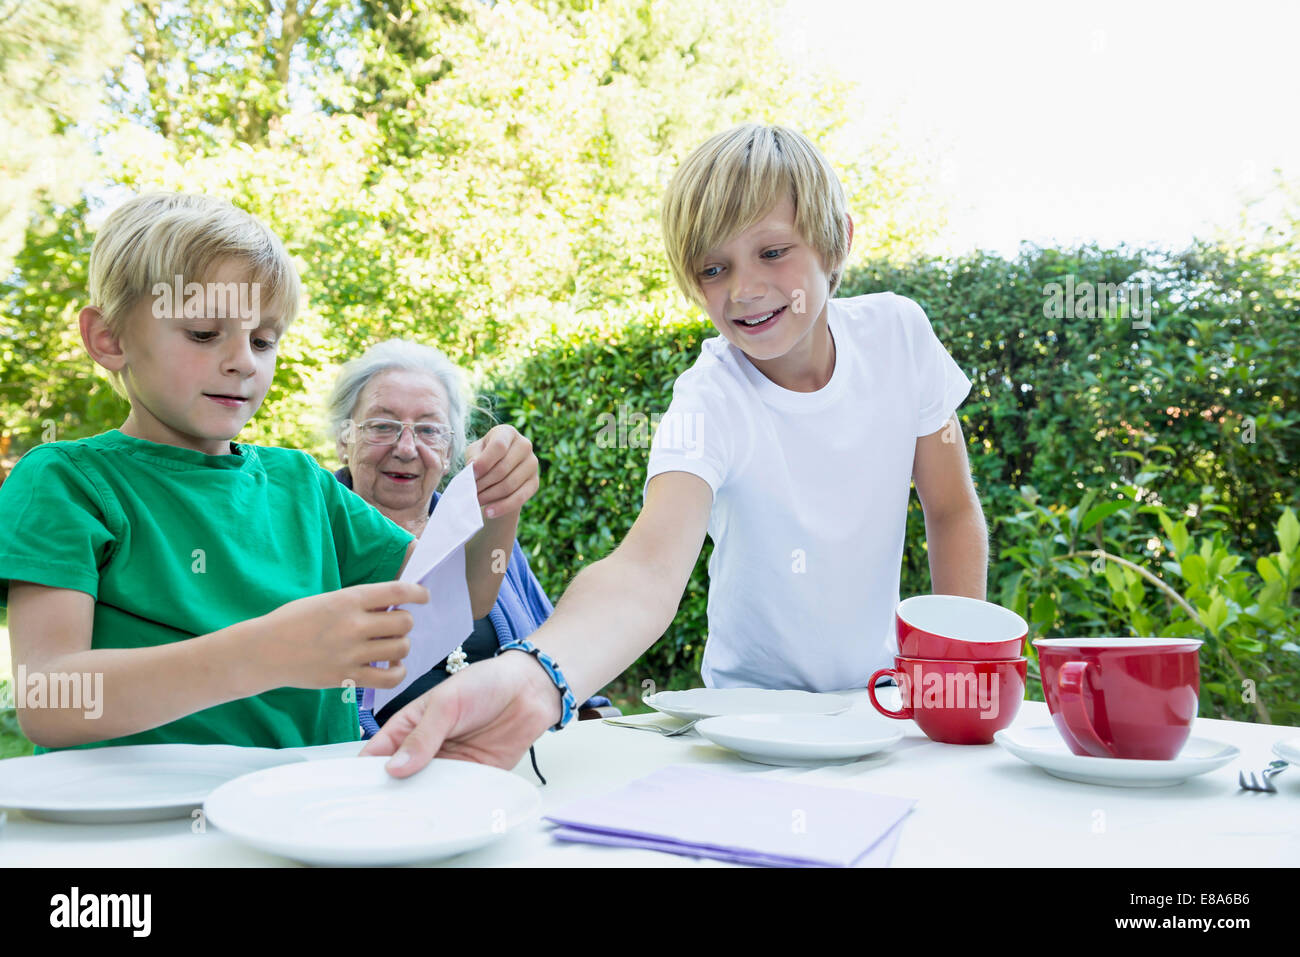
[{"x": 398, "y": 413}]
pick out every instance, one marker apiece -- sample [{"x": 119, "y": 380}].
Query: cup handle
[
  {"x": 901, "y": 714},
  {"x": 1069, "y": 684}
]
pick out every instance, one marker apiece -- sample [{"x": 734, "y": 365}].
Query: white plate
[
  {"x": 716, "y": 702},
  {"x": 1042, "y": 746},
  {"x": 1288, "y": 749},
  {"x": 139, "y": 782},
  {"x": 799, "y": 740},
  {"x": 351, "y": 812}
]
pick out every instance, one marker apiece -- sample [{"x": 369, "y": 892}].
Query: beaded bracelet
[{"x": 568, "y": 704}]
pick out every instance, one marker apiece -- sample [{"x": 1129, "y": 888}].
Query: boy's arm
[
  {"x": 410, "y": 550},
  {"x": 315, "y": 642},
  {"x": 618, "y": 607},
  {"x": 611, "y": 613},
  {"x": 955, "y": 533},
  {"x": 50, "y": 633}
]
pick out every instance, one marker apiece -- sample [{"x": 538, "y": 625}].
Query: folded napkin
[
  {"x": 740, "y": 818},
  {"x": 438, "y": 563}
]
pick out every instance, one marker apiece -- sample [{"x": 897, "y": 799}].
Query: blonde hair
[
  {"x": 733, "y": 179},
  {"x": 152, "y": 239}
]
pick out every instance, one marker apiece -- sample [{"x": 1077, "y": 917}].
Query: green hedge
[
  {"x": 578, "y": 396},
  {"x": 1066, "y": 404},
  {"x": 1200, "y": 409}
]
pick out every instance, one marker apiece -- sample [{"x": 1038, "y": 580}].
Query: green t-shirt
[{"x": 172, "y": 543}]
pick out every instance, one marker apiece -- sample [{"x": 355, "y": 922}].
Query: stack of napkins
[{"x": 741, "y": 818}]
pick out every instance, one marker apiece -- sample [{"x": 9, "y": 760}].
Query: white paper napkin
[
  {"x": 742, "y": 818},
  {"x": 438, "y": 563}
]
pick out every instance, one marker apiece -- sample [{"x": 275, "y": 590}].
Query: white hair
[{"x": 411, "y": 357}]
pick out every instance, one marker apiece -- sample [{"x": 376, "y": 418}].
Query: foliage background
[
  {"x": 1081, "y": 433},
  {"x": 485, "y": 178}
]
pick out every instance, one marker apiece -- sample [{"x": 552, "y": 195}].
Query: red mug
[
  {"x": 961, "y": 629},
  {"x": 1122, "y": 697},
  {"x": 955, "y": 702}
]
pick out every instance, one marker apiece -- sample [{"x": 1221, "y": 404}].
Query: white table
[{"x": 975, "y": 806}]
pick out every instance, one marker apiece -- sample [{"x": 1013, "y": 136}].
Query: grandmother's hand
[{"x": 505, "y": 471}]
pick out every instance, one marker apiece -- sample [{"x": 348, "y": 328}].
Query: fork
[
  {"x": 1263, "y": 784},
  {"x": 654, "y": 727}
]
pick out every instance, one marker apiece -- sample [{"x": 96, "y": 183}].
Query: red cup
[
  {"x": 1122, "y": 697},
  {"x": 955, "y": 702},
  {"x": 959, "y": 629}
]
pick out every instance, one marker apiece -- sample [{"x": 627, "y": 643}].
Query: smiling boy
[
  {"x": 816, "y": 414},
  {"x": 812, "y": 418},
  {"x": 223, "y": 593}
]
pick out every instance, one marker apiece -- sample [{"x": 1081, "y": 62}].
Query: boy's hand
[
  {"x": 505, "y": 470},
  {"x": 491, "y": 712},
  {"x": 325, "y": 641}
]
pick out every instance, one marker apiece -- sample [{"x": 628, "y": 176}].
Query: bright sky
[{"x": 1138, "y": 121}]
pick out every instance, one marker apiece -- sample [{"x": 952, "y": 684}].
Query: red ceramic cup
[
  {"x": 1122, "y": 697},
  {"x": 961, "y": 629},
  {"x": 956, "y": 702}
]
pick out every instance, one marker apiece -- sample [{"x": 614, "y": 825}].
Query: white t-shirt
[{"x": 810, "y": 494}]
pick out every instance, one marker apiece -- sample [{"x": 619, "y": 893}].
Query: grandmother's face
[{"x": 398, "y": 478}]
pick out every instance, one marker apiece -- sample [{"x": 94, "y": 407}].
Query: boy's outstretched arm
[
  {"x": 955, "y": 534},
  {"x": 314, "y": 642},
  {"x": 612, "y": 612}
]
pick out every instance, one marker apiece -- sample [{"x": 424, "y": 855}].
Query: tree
[
  {"x": 53, "y": 54},
  {"x": 463, "y": 173},
  {"x": 210, "y": 75}
]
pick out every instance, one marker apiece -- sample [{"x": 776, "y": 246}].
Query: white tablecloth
[{"x": 975, "y": 806}]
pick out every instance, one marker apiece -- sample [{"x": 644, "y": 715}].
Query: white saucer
[
  {"x": 350, "y": 812},
  {"x": 1042, "y": 746},
  {"x": 1288, "y": 749},
  {"x": 799, "y": 740},
  {"x": 716, "y": 702},
  {"x": 139, "y": 782}
]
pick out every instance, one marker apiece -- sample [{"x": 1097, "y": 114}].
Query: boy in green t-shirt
[{"x": 166, "y": 585}]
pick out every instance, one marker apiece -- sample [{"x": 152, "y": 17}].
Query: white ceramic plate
[
  {"x": 1042, "y": 746},
  {"x": 350, "y": 812},
  {"x": 140, "y": 782},
  {"x": 799, "y": 740},
  {"x": 1288, "y": 749},
  {"x": 716, "y": 702}
]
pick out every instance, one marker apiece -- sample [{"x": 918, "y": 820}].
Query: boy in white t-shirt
[
  {"x": 793, "y": 441},
  {"x": 810, "y": 491}
]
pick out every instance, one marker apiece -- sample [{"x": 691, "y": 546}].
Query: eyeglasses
[{"x": 389, "y": 432}]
